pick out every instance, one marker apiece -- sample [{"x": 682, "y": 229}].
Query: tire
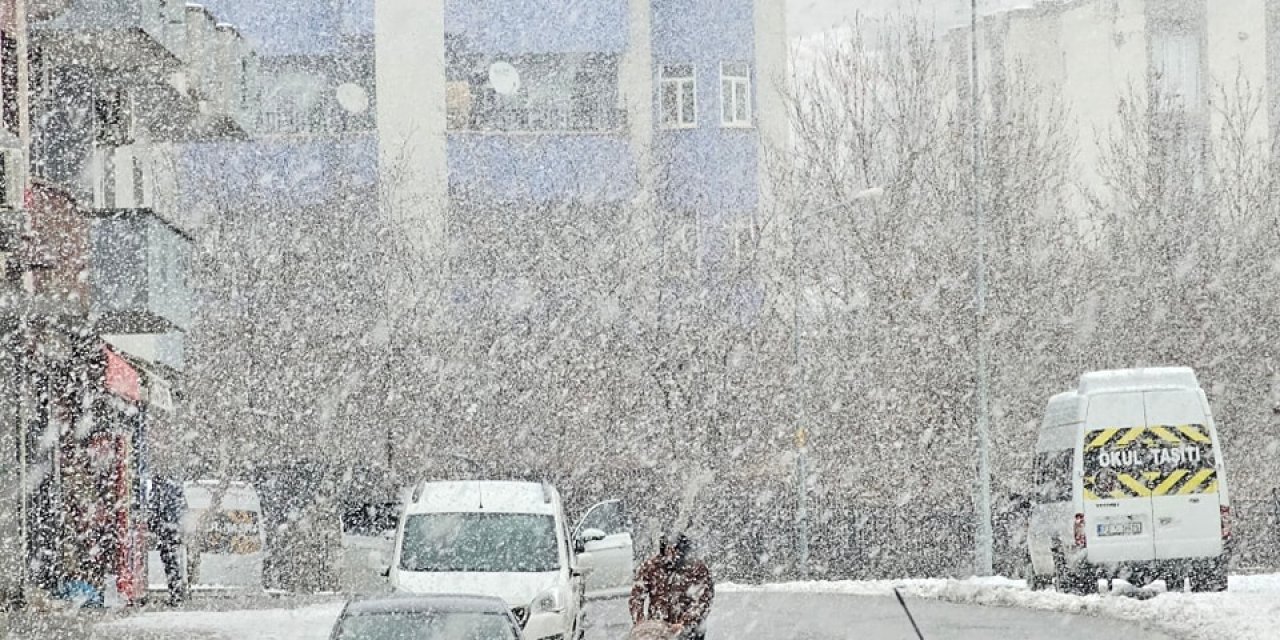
[
  {"x": 1073, "y": 582},
  {"x": 1211, "y": 580},
  {"x": 1175, "y": 583}
]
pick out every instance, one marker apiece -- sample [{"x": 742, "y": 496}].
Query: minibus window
[{"x": 1053, "y": 476}]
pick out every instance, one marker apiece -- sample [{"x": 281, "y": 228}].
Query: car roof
[
  {"x": 421, "y": 603},
  {"x": 1129, "y": 380},
  {"x": 489, "y": 496}
]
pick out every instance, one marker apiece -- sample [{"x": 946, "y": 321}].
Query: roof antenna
[{"x": 480, "y": 491}]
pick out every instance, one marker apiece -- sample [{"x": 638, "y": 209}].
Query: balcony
[
  {"x": 548, "y": 119},
  {"x": 213, "y": 96},
  {"x": 229, "y": 92},
  {"x": 137, "y": 273},
  {"x": 115, "y": 34}
]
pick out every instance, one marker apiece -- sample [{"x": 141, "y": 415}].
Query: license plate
[{"x": 1120, "y": 529}]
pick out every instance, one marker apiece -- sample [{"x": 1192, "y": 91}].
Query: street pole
[
  {"x": 802, "y": 449},
  {"x": 983, "y": 534},
  {"x": 802, "y": 431},
  {"x": 23, "y": 389}
]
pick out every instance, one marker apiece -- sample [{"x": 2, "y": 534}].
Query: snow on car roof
[
  {"x": 1121, "y": 380},
  {"x": 485, "y": 495}
]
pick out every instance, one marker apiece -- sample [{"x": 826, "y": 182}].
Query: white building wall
[
  {"x": 635, "y": 87},
  {"x": 413, "y": 168},
  {"x": 1102, "y": 67},
  {"x": 773, "y": 69},
  {"x": 1237, "y": 62}
]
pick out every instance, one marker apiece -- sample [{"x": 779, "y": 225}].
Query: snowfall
[{"x": 1250, "y": 610}]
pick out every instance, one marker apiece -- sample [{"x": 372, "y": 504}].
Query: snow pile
[
  {"x": 304, "y": 623},
  {"x": 1248, "y": 611}
]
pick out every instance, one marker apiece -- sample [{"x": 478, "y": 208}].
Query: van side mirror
[
  {"x": 585, "y": 537},
  {"x": 386, "y": 572}
]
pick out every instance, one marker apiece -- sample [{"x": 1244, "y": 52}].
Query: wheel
[
  {"x": 1210, "y": 580},
  {"x": 1175, "y": 583},
  {"x": 1073, "y": 582}
]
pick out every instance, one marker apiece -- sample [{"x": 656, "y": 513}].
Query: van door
[
  {"x": 607, "y": 557},
  {"x": 1183, "y": 463},
  {"x": 1117, "y": 502}
]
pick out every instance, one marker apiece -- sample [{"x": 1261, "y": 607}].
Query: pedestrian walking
[{"x": 167, "y": 508}]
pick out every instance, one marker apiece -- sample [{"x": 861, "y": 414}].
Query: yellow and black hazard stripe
[
  {"x": 1147, "y": 484},
  {"x": 1150, "y": 461},
  {"x": 1151, "y": 436}
]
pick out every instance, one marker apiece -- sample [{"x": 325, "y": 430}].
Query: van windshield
[
  {"x": 480, "y": 542},
  {"x": 1148, "y": 461}
]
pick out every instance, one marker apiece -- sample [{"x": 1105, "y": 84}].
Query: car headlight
[{"x": 548, "y": 601}]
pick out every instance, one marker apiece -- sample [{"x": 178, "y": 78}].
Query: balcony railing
[{"x": 540, "y": 120}]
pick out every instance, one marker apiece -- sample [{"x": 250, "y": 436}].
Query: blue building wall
[
  {"x": 541, "y": 167},
  {"x": 540, "y": 26},
  {"x": 302, "y": 170},
  {"x": 714, "y": 169},
  {"x": 279, "y": 172}
]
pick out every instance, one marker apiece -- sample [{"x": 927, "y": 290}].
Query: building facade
[
  {"x": 486, "y": 105},
  {"x": 97, "y": 98},
  {"x": 1194, "y": 66}
]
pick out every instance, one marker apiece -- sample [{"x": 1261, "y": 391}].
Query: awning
[{"x": 121, "y": 378}]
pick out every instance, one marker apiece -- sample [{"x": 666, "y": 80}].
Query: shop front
[{"x": 104, "y": 471}]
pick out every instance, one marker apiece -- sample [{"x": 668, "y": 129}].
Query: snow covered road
[
  {"x": 1250, "y": 610},
  {"x": 755, "y": 614}
]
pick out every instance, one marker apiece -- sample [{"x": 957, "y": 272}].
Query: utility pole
[
  {"x": 23, "y": 390},
  {"x": 802, "y": 448},
  {"x": 802, "y": 430},
  {"x": 983, "y": 534}
]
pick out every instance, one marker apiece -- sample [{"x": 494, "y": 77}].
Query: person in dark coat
[
  {"x": 167, "y": 507},
  {"x": 675, "y": 588}
]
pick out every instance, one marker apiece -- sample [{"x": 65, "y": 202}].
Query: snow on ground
[
  {"x": 1250, "y": 609},
  {"x": 304, "y": 623}
]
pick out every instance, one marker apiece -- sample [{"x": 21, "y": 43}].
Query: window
[
  {"x": 480, "y": 542},
  {"x": 1176, "y": 64},
  {"x": 609, "y": 517},
  {"x": 735, "y": 94},
  {"x": 112, "y": 118},
  {"x": 679, "y": 99},
  {"x": 556, "y": 92},
  {"x": 1053, "y": 476},
  {"x": 139, "y": 185}
]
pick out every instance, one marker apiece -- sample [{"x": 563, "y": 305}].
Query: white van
[
  {"x": 510, "y": 540},
  {"x": 1130, "y": 483},
  {"x": 231, "y": 539}
]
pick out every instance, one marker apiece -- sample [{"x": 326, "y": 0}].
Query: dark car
[{"x": 427, "y": 617}]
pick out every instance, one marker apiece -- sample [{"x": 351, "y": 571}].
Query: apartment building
[
  {"x": 94, "y": 118},
  {"x": 487, "y": 106},
  {"x": 1187, "y": 62}
]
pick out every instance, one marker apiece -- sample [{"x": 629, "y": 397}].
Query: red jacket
[{"x": 675, "y": 596}]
